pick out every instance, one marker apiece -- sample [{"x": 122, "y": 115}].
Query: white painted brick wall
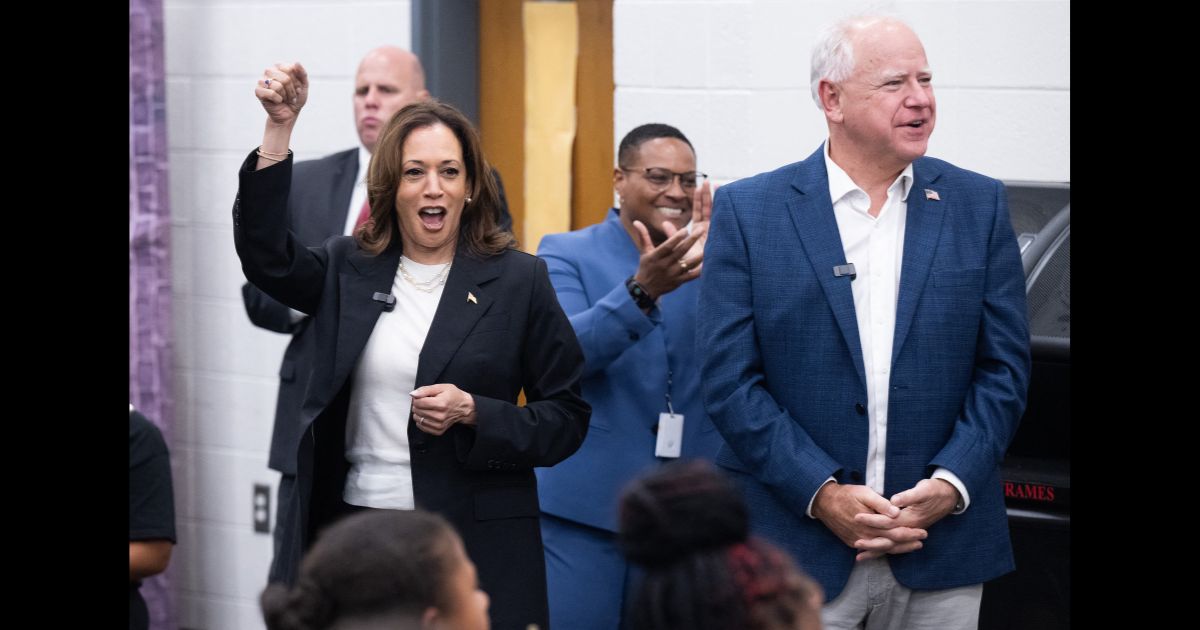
[
  {"x": 733, "y": 76},
  {"x": 225, "y": 368}
]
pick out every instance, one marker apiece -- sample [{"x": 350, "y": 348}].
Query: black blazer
[
  {"x": 320, "y": 193},
  {"x": 513, "y": 336}
]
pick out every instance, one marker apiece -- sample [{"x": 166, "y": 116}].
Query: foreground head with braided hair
[
  {"x": 381, "y": 569},
  {"x": 687, "y": 526}
]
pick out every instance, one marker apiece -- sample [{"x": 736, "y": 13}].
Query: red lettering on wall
[{"x": 1031, "y": 491}]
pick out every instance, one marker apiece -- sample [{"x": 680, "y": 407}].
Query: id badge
[{"x": 670, "y": 435}]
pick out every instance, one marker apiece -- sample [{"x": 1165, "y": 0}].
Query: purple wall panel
[{"x": 149, "y": 252}]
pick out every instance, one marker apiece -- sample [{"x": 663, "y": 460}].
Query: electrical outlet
[{"x": 262, "y": 508}]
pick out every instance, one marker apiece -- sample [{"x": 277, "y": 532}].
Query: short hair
[
  {"x": 833, "y": 52},
  {"x": 374, "y": 562},
  {"x": 688, "y": 526},
  {"x": 478, "y": 231},
  {"x": 640, "y": 134}
]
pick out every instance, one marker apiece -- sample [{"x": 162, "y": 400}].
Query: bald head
[{"x": 388, "y": 78}]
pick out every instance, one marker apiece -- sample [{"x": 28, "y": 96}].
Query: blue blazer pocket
[
  {"x": 958, "y": 277},
  {"x": 493, "y": 502}
]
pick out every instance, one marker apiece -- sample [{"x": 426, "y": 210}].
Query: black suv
[{"x": 1037, "y": 469}]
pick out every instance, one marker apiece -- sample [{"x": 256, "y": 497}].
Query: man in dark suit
[
  {"x": 328, "y": 198},
  {"x": 867, "y": 347}
]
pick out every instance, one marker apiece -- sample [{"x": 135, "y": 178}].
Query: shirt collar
[
  {"x": 364, "y": 160},
  {"x": 841, "y": 185}
]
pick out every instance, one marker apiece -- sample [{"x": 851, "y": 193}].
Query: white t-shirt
[{"x": 380, "y": 406}]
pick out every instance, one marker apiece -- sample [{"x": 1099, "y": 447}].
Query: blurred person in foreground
[
  {"x": 151, "y": 512},
  {"x": 688, "y": 527},
  {"x": 382, "y": 570}
]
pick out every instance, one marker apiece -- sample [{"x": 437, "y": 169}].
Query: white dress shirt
[
  {"x": 875, "y": 246},
  {"x": 360, "y": 190}
]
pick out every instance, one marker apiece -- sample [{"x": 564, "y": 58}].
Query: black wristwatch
[{"x": 639, "y": 295}]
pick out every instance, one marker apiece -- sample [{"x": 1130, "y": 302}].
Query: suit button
[
  {"x": 634, "y": 336},
  {"x": 422, "y": 450},
  {"x": 862, "y": 411},
  {"x": 856, "y": 476}
]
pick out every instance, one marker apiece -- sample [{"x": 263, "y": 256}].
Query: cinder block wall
[{"x": 733, "y": 76}]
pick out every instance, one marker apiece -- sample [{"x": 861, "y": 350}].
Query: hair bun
[
  {"x": 683, "y": 508},
  {"x": 301, "y": 607}
]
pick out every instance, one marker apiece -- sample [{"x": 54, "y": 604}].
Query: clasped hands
[{"x": 875, "y": 526}]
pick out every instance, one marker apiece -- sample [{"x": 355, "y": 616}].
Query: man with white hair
[
  {"x": 329, "y": 198},
  {"x": 867, "y": 346}
]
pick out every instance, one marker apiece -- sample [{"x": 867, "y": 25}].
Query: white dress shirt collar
[{"x": 841, "y": 185}]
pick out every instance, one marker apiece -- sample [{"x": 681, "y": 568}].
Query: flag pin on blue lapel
[
  {"x": 471, "y": 298},
  {"x": 932, "y": 194}
]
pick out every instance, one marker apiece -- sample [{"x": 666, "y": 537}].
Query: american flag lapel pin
[
  {"x": 471, "y": 298},
  {"x": 932, "y": 194}
]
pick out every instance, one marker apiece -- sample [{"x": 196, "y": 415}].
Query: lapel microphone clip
[
  {"x": 844, "y": 270},
  {"x": 389, "y": 301}
]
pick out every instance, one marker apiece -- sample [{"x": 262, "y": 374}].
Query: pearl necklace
[{"x": 428, "y": 286}]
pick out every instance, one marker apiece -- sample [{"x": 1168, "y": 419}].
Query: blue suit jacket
[
  {"x": 783, "y": 371},
  {"x": 627, "y": 355}
]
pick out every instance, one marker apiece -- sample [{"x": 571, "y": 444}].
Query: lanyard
[{"x": 669, "y": 375}]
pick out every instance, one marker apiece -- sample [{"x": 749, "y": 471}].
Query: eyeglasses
[{"x": 660, "y": 178}]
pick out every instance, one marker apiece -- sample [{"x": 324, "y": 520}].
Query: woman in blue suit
[{"x": 627, "y": 285}]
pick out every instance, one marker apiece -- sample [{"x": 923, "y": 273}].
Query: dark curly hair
[
  {"x": 687, "y": 525},
  {"x": 371, "y": 563}
]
